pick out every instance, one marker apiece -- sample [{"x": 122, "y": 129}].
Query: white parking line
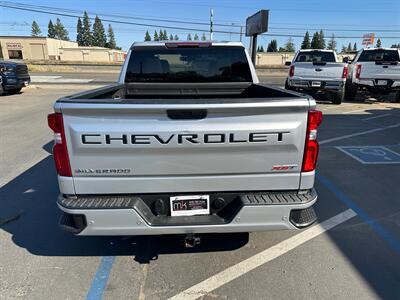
[
  {"x": 357, "y": 134},
  {"x": 231, "y": 273},
  {"x": 376, "y": 117}
]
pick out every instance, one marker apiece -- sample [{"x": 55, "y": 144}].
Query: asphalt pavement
[{"x": 352, "y": 253}]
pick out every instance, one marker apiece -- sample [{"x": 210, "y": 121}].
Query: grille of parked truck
[
  {"x": 186, "y": 142},
  {"x": 376, "y": 70},
  {"x": 317, "y": 71}
]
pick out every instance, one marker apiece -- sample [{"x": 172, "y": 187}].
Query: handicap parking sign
[{"x": 371, "y": 154}]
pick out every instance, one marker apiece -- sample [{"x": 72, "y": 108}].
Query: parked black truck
[{"x": 14, "y": 76}]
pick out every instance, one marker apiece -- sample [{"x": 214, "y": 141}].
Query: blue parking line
[
  {"x": 378, "y": 229},
  {"x": 100, "y": 279}
]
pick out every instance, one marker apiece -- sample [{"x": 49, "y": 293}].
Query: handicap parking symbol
[{"x": 371, "y": 154}]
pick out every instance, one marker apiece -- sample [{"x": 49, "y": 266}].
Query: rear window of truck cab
[
  {"x": 379, "y": 55},
  {"x": 200, "y": 64},
  {"x": 315, "y": 56}
]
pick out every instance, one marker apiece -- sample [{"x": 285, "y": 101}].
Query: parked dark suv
[{"x": 14, "y": 76}]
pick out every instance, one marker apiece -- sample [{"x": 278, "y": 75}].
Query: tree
[
  {"x": 196, "y": 37},
  {"x": 378, "y": 43},
  {"x": 35, "y": 29},
  {"x": 171, "y": 37},
  {"x": 99, "y": 34},
  {"x": 79, "y": 32},
  {"x": 349, "y": 47},
  {"x": 111, "y": 43},
  {"x": 395, "y": 46},
  {"x": 281, "y": 49},
  {"x": 355, "y": 47},
  {"x": 289, "y": 46},
  {"x": 87, "y": 39},
  {"x": 189, "y": 37},
  {"x": 315, "y": 41},
  {"x": 165, "y": 35},
  {"x": 344, "y": 49},
  {"x": 203, "y": 37},
  {"x": 147, "y": 36},
  {"x": 155, "y": 37},
  {"x": 306, "y": 41},
  {"x": 321, "y": 40},
  {"x": 51, "y": 33},
  {"x": 176, "y": 37},
  {"x": 332, "y": 43},
  {"x": 61, "y": 32},
  {"x": 272, "y": 46}
]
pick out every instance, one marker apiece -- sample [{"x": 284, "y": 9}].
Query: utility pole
[{"x": 211, "y": 23}]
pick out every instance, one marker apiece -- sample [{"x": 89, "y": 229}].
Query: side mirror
[
  {"x": 346, "y": 59},
  {"x": 288, "y": 63}
]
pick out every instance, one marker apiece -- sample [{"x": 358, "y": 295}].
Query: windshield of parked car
[
  {"x": 315, "y": 56},
  {"x": 209, "y": 64},
  {"x": 379, "y": 55}
]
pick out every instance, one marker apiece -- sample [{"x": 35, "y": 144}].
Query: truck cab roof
[{"x": 183, "y": 43}]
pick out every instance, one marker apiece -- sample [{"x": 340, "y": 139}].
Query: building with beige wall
[{"x": 44, "y": 48}]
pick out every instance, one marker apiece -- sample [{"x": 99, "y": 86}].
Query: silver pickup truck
[
  {"x": 318, "y": 71},
  {"x": 186, "y": 142}
]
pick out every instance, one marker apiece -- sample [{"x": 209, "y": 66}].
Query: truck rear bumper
[
  {"x": 332, "y": 85},
  {"x": 129, "y": 215}
]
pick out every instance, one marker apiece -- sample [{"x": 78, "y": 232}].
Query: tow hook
[{"x": 192, "y": 240}]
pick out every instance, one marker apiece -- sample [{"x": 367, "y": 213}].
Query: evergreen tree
[
  {"x": 196, "y": 37},
  {"x": 289, "y": 46},
  {"x": 349, "y": 47},
  {"x": 378, "y": 43},
  {"x": 344, "y": 49},
  {"x": 189, "y": 37},
  {"x": 306, "y": 41},
  {"x": 262, "y": 48},
  {"x": 111, "y": 43},
  {"x": 155, "y": 37},
  {"x": 35, "y": 29},
  {"x": 176, "y": 37},
  {"x": 203, "y": 37},
  {"x": 355, "y": 47},
  {"x": 332, "y": 43},
  {"x": 79, "y": 32},
  {"x": 51, "y": 33},
  {"x": 281, "y": 49},
  {"x": 87, "y": 39},
  {"x": 61, "y": 32},
  {"x": 321, "y": 40},
  {"x": 315, "y": 41},
  {"x": 165, "y": 35},
  {"x": 272, "y": 46},
  {"x": 161, "y": 36},
  {"x": 171, "y": 37},
  {"x": 99, "y": 34},
  {"x": 147, "y": 37}
]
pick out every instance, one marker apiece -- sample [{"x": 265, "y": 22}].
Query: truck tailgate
[
  {"x": 380, "y": 70},
  {"x": 332, "y": 71},
  {"x": 145, "y": 148}
]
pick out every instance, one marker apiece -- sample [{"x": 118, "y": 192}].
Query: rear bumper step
[{"x": 239, "y": 212}]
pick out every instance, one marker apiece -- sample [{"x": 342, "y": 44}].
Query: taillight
[
  {"x": 291, "y": 71},
  {"x": 60, "y": 152},
  {"x": 358, "y": 71},
  {"x": 311, "y": 148},
  {"x": 345, "y": 72}
]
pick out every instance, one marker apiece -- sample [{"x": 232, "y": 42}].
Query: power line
[{"x": 165, "y": 26}]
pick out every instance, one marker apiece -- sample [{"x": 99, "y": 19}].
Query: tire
[
  {"x": 15, "y": 91},
  {"x": 397, "y": 97},
  {"x": 288, "y": 87},
  {"x": 350, "y": 90},
  {"x": 337, "y": 98},
  {"x": 1, "y": 90}
]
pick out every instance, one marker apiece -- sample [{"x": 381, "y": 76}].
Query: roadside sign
[
  {"x": 368, "y": 39},
  {"x": 14, "y": 46},
  {"x": 369, "y": 155},
  {"x": 257, "y": 23}
]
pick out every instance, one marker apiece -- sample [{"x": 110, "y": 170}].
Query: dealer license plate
[
  {"x": 316, "y": 83},
  {"x": 190, "y": 205},
  {"x": 381, "y": 82}
]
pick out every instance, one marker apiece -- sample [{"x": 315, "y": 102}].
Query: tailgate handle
[{"x": 187, "y": 114}]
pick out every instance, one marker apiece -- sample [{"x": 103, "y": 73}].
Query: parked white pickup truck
[
  {"x": 376, "y": 70},
  {"x": 318, "y": 71},
  {"x": 187, "y": 142}
]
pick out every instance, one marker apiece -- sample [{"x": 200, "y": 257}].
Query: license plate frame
[
  {"x": 381, "y": 82},
  {"x": 190, "y": 205},
  {"x": 316, "y": 83}
]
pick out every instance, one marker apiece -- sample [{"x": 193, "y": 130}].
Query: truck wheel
[
  {"x": 1, "y": 90},
  {"x": 15, "y": 91},
  {"x": 337, "y": 98},
  {"x": 350, "y": 90},
  {"x": 288, "y": 87},
  {"x": 397, "y": 98}
]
